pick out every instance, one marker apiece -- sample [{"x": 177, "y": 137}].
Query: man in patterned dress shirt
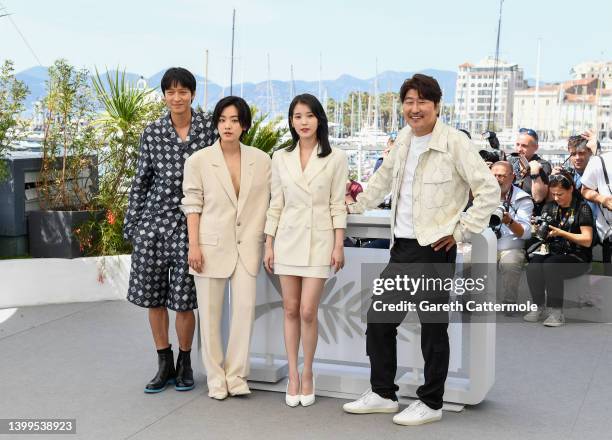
[{"x": 159, "y": 275}]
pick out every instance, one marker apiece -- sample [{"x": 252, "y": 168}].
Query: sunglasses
[
  {"x": 562, "y": 179},
  {"x": 531, "y": 132}
]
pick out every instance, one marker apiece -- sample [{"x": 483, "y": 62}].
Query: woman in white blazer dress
[{"x": 305, "y": 232}]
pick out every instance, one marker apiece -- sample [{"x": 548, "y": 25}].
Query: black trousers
[
  {"x": 607, "y": 256},
  {"x": 545, "y": 276},
  {"x": 410, "y": 259}
]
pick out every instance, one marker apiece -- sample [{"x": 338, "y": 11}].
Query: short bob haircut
[
  {"x": 244, "y": 112},
  {"x": 178, "y": 76},
  {"x": 322, "y": 129},
  {"x": 426, "y": 86}
]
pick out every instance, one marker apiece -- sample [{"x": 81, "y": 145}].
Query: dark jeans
[
  {"x": 411, "y": 259},
  {"x": 545, "y": 276}
]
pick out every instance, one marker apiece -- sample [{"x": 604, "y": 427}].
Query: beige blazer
[
  {"x": 448, "y": 169},
  {"x": 230, "y": 227},
  {"x": 306, "y": 206}
]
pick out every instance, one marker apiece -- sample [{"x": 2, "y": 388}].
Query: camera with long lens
[
  {"x": 496, "y": 218},
  {"x": 498, "y": 215}
]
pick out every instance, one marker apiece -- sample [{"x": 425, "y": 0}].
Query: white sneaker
[
  {"x": 370, "y": 402},
  {"x": 555, "y": 319},
  {"x": 536, "y": 315},
  {"x": 417, "y": 413}
]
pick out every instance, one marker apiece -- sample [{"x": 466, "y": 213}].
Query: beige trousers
[{"x": 229, "y": 375}]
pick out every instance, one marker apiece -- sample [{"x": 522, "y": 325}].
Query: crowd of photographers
[{"x": 550, "y": 218}]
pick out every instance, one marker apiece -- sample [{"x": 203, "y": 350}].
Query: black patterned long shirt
[{"x": 156, "y": 190}]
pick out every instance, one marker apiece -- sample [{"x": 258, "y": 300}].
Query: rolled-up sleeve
[
  {"x": 277, "y": 199},
  {"x": 193, "y": 189},
  {"x": 524, "y": 210},
  {"x": 378, "y": 186},
  {"x": 337, "y": 206}
]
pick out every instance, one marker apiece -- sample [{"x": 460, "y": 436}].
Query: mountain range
[{"x": 256, "y": 93}]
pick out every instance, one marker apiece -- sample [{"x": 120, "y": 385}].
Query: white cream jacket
[
  {"x": 444, "y": 176},
  {"x": 307, "y": 206}
]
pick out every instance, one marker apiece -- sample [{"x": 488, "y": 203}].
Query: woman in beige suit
[
  {"x": 305, "y": 232},
  {"x": 226, "y": 195}
]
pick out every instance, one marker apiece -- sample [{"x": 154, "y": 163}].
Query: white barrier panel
[
  {"x": 341, "y": 365},
  {"x": 37, "y": 281}
]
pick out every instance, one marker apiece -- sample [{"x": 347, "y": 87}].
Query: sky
[{"x": 350, "y": 36}]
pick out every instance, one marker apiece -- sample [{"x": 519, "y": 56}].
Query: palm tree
[
  {"x": 128, "y": 110},
  {"x": 266, "y": 136}
]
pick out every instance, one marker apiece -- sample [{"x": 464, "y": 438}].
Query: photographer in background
[
  {"x": 596, "y": 188},
  {"x": 580, "y": 153},
  {"x": 566, "y": 230},
  {"x": 511, "y": 223},
  {"x": 530, "y": 169}
]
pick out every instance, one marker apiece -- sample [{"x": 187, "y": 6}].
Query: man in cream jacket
[{"x": 430, "y": 173}]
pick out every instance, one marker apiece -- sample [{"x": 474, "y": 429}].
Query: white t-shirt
[
  {"x": 593, "y": 177},
  {"x": 404, "y": 223}
]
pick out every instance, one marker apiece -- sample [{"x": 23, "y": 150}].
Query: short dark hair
[
  {"x": 322, "y": 129},
  {"x": 426, "y": 86},
  {"x": 178, "y": 76},
  {"x": 244, "y": 112},
  {"x": 577, "y": 142}
]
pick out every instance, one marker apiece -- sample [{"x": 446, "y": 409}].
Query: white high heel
[
  {"x": 291, "y": 401},
  {"x": 308, "y": 399}
]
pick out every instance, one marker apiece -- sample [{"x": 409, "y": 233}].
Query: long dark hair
[{"x": 322, "y": 130}]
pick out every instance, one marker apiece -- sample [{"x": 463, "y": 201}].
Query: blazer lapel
[
  {"x": 222, "y": 173},
  {"x": 247, "y": 165},
  {"x": 315, "y": 165},
  {"x": 292, "y": 161}
]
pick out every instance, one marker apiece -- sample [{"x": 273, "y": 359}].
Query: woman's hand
[
  {"x": 337, "y": 258},
  {"x": 556, "y": 232},
  {"x": 195, "y": 258},
  {"x": 268, "y": 260}
]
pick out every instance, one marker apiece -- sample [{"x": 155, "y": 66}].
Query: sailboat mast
[
  {"x": 232, "y": 58},
  {"x": 537, "y": 87},
  {"x": 376, "y": 103},
  {"x": 495, "y": 67},
  {"x": 205, "y": 106},
  {"x": 352, "y": 129}
]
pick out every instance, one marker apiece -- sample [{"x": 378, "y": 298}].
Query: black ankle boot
[
  {"x": 184, "y": 373},
  {"x": 166, "y": 372}
]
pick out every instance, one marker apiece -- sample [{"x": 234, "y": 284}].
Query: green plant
[
  {"x": 69, "y": 144},
  {"x": 12, "y": 96},
  {"x": 127, "y": 111},
  {"x": 266, "y": 136}
]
